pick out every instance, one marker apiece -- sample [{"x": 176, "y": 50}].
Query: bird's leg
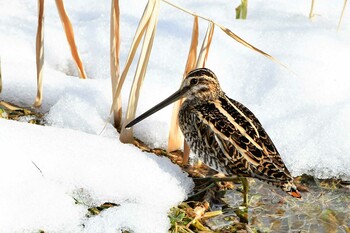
[
  {"x": 203, "y": 190},
  {"x": 245, "y": 184},
  {"x": 207, "y": 183},
  {"x": 244, "y": 181}
]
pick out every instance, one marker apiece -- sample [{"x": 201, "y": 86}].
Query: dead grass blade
[
  {"x": 176, "y": 138},
  {"x": 203, "y": 54},
  {"x": 230, "y": 33},
  {"x": 311, "y": 14},
  {"x": 68, "y": 28},
  {"x": 248, "y": 45},
  {"x": 0, "y": 78},
  {"x": 342, "y": 14},
  {"x": 134, "y": 45},
  {"x": 10, "y": 106},
  {"x": 114, "y": 58},
  {"x": 192, "y": 55},
  {"x": 40, "y": 54},
  {"x": 126, "y": 136}
]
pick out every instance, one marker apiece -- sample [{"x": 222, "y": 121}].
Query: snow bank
[{"x": 87, "y": 168}]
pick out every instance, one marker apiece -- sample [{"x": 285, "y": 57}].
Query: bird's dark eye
[{"x": 194, "y": 81}]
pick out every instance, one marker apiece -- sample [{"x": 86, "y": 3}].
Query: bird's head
[{"x": 199, "y": 85}]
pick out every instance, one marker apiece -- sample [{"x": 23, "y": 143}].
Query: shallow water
[{"x": 324, "y": 208}]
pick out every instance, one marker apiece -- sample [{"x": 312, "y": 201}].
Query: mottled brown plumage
[{"x": 224, "y": 134}]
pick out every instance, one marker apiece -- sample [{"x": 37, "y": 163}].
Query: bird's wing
[
  {"x": 211, "y": 151},
  {"x": 235, "y": 128},
  {"x": 208, "y": 152},
  {"x": 263, "y": 138}
]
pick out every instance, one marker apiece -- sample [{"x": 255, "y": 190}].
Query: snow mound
[{"x": 76, "y": 166}]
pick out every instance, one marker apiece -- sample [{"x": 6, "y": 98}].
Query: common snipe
[{"x": 224, "y": 134}]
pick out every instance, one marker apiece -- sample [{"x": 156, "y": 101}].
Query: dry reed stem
[
  {"x": 134, "y": 45},
  {"x": 176, "y": 138},
  {"x": 126, "y": 135},
  {"x": 114, "y": 58},
  {"x": 40, "y": 54},
  {"x": 248, "y": 45},
  {"x": 0, "y": 78},
  {"x": 68, "y": 28},
  {"x": 311, "y": 14},
  {"x": 192, "y": 55},
  {"x": 203, "y": 54},
  {"x": 229, "y": 33},
  {"x": 342, "y": 14},
  {"x": 186, "y": 153}
]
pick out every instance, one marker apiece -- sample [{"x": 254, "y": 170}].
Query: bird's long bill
[{"x": 177, "y": 95}]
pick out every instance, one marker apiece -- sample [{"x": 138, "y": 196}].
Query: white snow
[
  {"x": 307, "y": 114},
  {"x": 88, "y": 168}
]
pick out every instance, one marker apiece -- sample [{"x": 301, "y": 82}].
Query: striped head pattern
[{"x": 202, "y": 85}]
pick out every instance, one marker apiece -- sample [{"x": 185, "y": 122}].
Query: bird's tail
[
  {"x": 291, "y": 189},
  {"x": 286, "y": 185}
]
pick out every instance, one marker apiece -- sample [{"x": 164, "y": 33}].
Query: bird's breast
[{"x": 187, "y": 122}]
